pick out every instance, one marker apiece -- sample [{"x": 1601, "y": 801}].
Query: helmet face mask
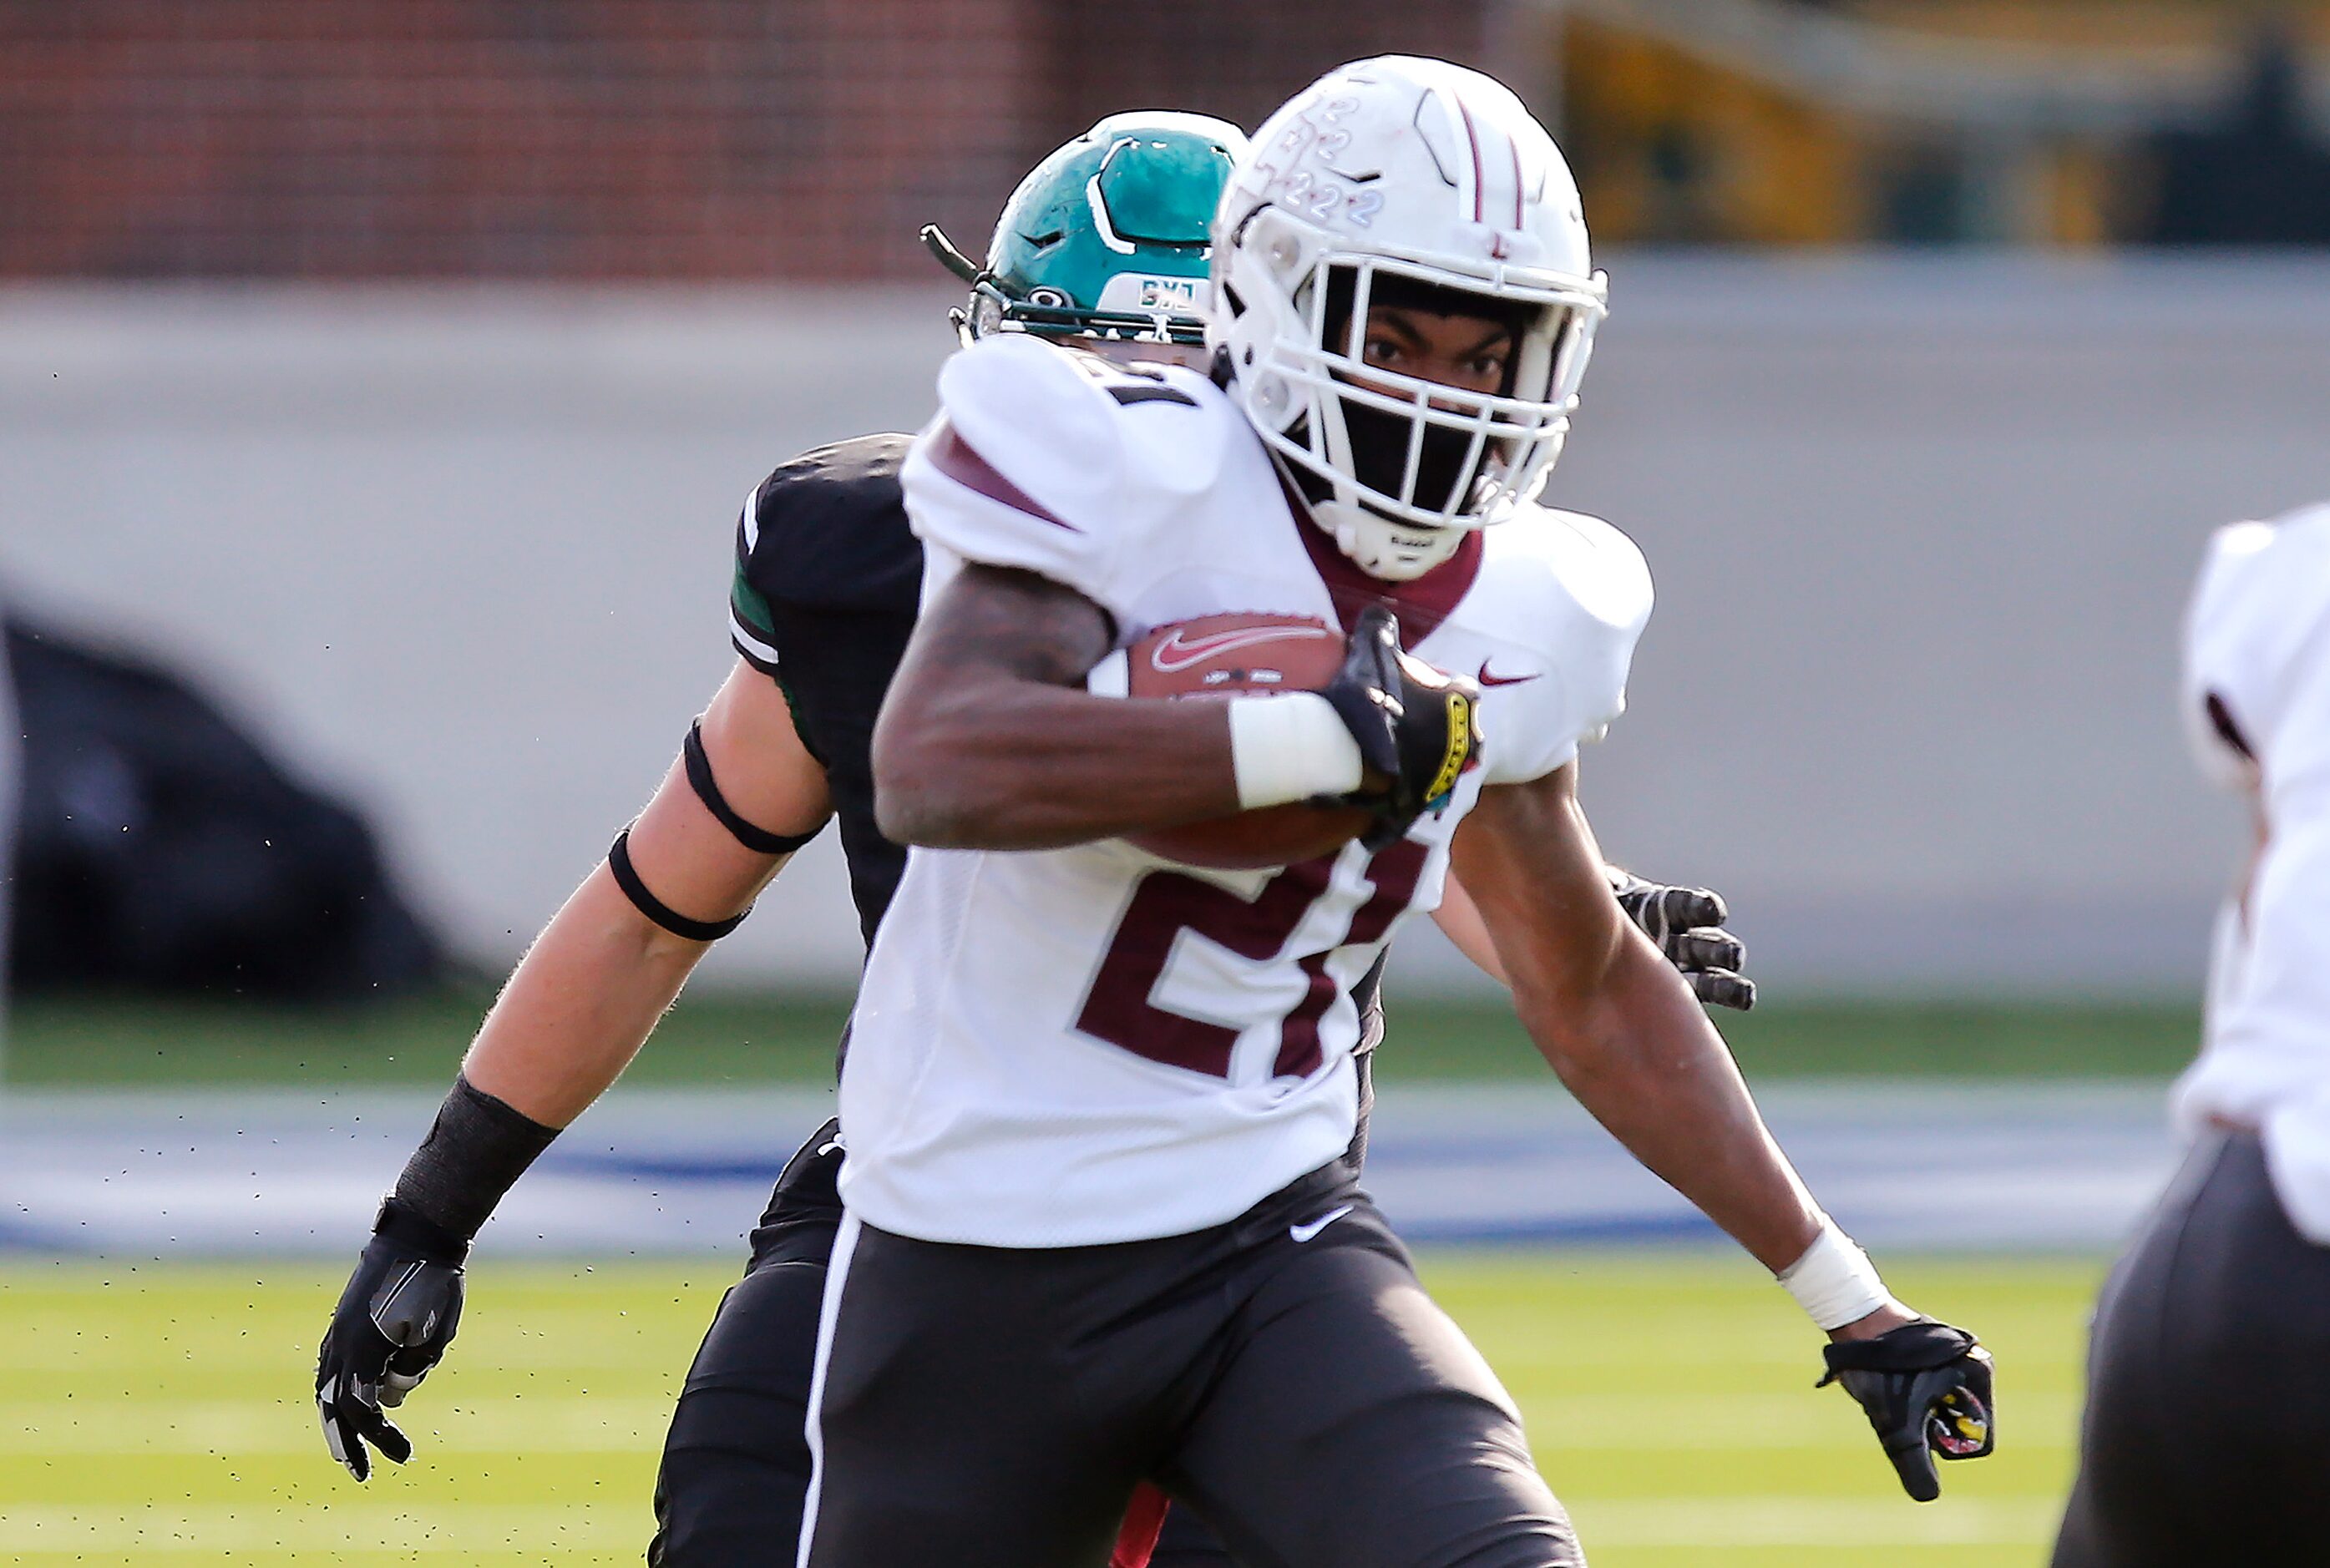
[
  {"x": 1391, "y": 180},
  {"x": 1461, "y": 458},
  {"x": 1108, "y": 238}
]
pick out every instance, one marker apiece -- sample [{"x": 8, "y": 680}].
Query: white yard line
[
  {"x": 596, "y": 1424},
  {"x": 1730, "y": 1522},
  {"x": 453, "y": 1529},
  {"x": 548, "y": 1529}
]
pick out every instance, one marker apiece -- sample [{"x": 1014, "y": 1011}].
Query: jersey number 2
[{"x": 1166, "y": 903}]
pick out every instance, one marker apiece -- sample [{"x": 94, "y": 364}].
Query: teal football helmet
[{"x": 1107, "y": 237}]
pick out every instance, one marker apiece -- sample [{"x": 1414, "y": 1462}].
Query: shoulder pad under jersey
[
  {"x": 1088, "y": 439},
  {"x": 2257, "y": 639},
  {"x": 828, "y": 529},
  {"x": 1571, "y": 594}
]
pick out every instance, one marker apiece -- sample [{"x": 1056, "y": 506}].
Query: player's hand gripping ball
[
  {"x": 1241, "y": 654},
  {"x": 1925, "y": 1387},
  {"x": 1417, "y": 729}
]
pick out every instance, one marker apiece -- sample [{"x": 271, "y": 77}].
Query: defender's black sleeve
[{"x": 828, "y": 576}]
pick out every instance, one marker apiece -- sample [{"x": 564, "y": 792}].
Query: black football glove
[
  {"x": 1416, "y": 726},
  {"x": 1687, "y": 925},
  {"x": 1926, "y": 1387},
  {"x": 394, "y": 1321}
]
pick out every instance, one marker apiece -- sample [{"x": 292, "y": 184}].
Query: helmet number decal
[
  {"x": 1322, "y": 199},
  {"x": 1297, "y": 171}
]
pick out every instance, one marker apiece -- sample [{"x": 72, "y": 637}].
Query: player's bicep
[
  {"x": 989, "y": 739},
  {"x": 688, "y": 858},
  {"x": 992, "y": 626},
  {"x": 1528, "y": 859},
  {"x": 763, "y": 768}
]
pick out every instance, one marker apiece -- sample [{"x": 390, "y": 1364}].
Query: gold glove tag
[{"x": 1460, "y": 750}]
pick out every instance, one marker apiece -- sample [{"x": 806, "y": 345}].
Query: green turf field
[
  {"x": 725, "y": 1038},
  {"x": 163, "y": 1415}
]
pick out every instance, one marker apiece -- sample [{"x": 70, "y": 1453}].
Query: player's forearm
[
  {"x": 1015, "y": 764},
  {"x": 1459, "y": 920},
  {"x": 1640, "y": 1055},
  {"x": 988, "y": 740},
  {"x": 578, "y": 1005}
]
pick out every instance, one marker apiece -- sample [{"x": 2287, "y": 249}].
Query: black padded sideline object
[
  {"x": 618, "y": 860},
  {"x": 759, "y": 840}
]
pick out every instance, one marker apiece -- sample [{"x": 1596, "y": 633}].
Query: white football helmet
[{"x": 1391, "y": 176}]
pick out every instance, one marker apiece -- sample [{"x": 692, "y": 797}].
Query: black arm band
[
  {"x": 476, "y": 1150},
  {"x": 618, "y": 860},
  {"x": 759, "y": 840}
]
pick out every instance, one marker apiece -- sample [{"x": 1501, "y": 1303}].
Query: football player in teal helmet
[
  {"x": 1106, "y": 239},
  {"x": 1103, "y": 246}
]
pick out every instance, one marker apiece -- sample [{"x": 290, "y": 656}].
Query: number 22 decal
[{"x": 1166, "y": 903}]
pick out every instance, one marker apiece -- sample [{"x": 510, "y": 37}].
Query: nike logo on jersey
[
  {"x": 1489, "y": 680},
  {"x": 1304, "y": 1233},
  {"x": 1178, "y": 651}
]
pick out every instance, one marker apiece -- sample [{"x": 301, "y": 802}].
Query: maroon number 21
[{"x": 1167, "y": 903}]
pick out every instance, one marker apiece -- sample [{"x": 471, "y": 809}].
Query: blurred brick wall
[
  {"x": 595, "y": 139},
  {"x": 504, "y": 138},
  {"x": 1231, "y": 58}
]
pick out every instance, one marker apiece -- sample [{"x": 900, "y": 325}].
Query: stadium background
[{"x": 395, "y": 370}]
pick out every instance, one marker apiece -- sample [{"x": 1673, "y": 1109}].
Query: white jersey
[
  {"x": 1064, "y": 1047},
  {"x": 2256, "y": 678}
]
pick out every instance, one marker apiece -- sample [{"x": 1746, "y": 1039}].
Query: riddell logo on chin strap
[{"x": 1178, "y": 651}]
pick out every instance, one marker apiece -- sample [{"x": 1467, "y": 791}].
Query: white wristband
[
  {"x": 1290, "y": 747},
  {"x": 1834, "y": 1281}
]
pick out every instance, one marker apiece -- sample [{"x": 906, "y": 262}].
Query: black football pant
[
  {"x": 2208, "y": 1418},
  {"x": 736, "y": 1463},
  {"x": 1283, "y": 1374}
]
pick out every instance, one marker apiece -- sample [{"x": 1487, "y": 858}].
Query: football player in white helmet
[
  {"x": 1103, "y": 245},
  {"x": 1099, "y": 1226},
  {"x": 1346, "y": 206}
]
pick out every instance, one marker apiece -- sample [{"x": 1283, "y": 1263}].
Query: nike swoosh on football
[
  {"x": 1489, "y": 680},
  {"x": 1177, "y": 652},
  {"x": 1304, "y": 1233}
]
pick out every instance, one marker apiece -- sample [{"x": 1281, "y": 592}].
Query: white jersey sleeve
[
  {"x": 1058, "y": 462},
  {"x": 2256, "y": 698},
  {"x": 1582, "y": 595},
  {"x": 2253, "y": 640}
]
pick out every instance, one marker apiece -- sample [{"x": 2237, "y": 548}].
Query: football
[{"x": 1224, "y": 655}]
